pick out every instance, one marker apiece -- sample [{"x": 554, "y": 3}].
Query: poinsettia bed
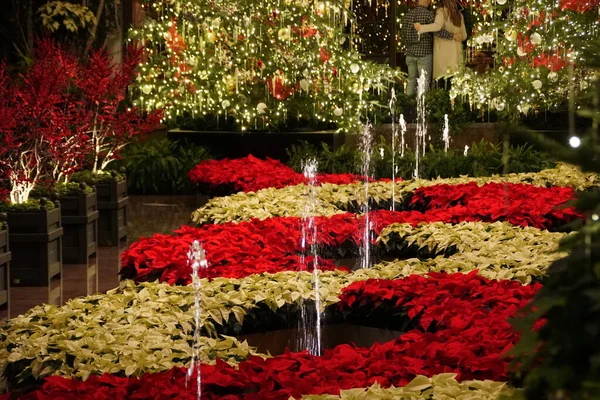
[{"x": 452, "y": 265}]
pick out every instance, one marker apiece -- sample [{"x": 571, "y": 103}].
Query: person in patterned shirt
[{"x": 419, "y": 47}]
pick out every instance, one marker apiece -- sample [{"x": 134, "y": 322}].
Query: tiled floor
[{"x": 146, "y": 215}]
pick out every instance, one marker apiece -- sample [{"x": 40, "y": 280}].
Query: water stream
[
  {"x": 197, "y": 260},
  {"x": 310, "y": 320},
  {"x": 421, "y": 132},
  {"x": 392, "y": 106},
  {"x": 365, "y": 147}
]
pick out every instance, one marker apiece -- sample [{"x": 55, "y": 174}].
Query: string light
[{"x": 266, "y": 61}]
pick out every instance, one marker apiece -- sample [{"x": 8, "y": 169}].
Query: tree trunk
[{"x": 92, "y": 36}]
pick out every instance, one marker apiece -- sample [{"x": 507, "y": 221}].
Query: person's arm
[
  {"x": 431, "y": 21},
  {"x": 436, "y": 26}
]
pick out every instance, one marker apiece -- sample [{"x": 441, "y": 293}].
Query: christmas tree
[
  {"x": 260, "y": 64},
  {"x": 536, "y": 63}
]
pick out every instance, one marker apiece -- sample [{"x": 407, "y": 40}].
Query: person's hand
[
  {"x": 417, "y": 26},
  {"x": 458, "y": 37}
]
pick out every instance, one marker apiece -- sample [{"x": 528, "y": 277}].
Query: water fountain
[
  {"x": 446, "y": 134},
  {"x": 392, "y": 106},
  {"x": 421, "y": 132},
  {"x": 365, "y": 147},
  {"x": 310, "y": 320},
  {"x": 403, "y": 133},
  {"x": 197, "y": 259}
]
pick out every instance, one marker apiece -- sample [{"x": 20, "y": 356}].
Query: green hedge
[
  {"x": 159, "y": 165},
  {"x": 483, "y": 159}
]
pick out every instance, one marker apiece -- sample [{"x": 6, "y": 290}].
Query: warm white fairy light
[{"x": 200, "y": 54}]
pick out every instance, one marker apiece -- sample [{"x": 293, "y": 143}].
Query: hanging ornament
[
  {"x": 521, "y": 52},
  {"x": 261, "y": 108},
  {"x": 284, "y": 34},
  {"x": 500, "y": 106},
  {"x": 501, "y": 2},
  {"x": 524, "y": 108},
  {"x": 510, "y": 35},
  {"x": 583, "y": 85},
  {"x": 536, "y": 38},
  {"x": 354, "y": 68},
  {"x": 537, "y": 84},
  {"x": 304, "y": 85},
  {"x": 338, "y": 111},
  {"x": 225, "y": 104},
  {"x": 211, "y": 37},
  {"x": 323, "y": 55},
  {"x": 552, "y": 76},
  {"x": 146, "y": 89}
]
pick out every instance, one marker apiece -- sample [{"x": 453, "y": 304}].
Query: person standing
[
  {"x": 447, "y": 54},
  {"x": 419, "y": 47}
]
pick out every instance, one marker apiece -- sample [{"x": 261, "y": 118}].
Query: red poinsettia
[
  {"x": 274, "y": 244},
  {"x": 580, "y": 6},
  {"x": 250, "y": 174},
  {"x": 462, "y": 328}
]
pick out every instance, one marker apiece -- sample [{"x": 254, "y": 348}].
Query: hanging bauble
[
  {"x": 284, "y": 34},
  {"x": 146, "y": 89},
  {"x": 524, "y": 108},
  {"x": 323, "y": 55},
  {"x": 521, "y": 52},
  {"x": 225, "y": 104},
  {"x": 354, "y": 68},
  {"x": 583, "y": 85},
  {"x": 261, "y": 108},
  {"x": 552, "y": 76},
  {"x": 338, "y": 111},
  {"x": 211, "y": 37},
  {"x": 510, "y": 35},
  {"x": 304, "y": 85},
  {"x": 536, "y": 38},
  {"x": 500, "y": 106},
  {"x": 537, "y": 84},
  {"x": 501, "y": 2}
]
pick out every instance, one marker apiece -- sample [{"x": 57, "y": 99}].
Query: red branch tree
[
  {"x": 104, "y": 90},
  {"x": 35, "y": 124},
  {"x": 62, "y": 111}
]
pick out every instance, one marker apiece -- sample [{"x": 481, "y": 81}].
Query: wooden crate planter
[
  {"x": 5, "y": 256},
  {"x": 36, "y": 245},
  {"x": 79, "y": 218},
  {"x": 112, "y": 205}
]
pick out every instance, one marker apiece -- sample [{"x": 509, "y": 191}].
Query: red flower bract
[
  {"x": 462, "y": 328},
  {"x": 250, "y": 174}
]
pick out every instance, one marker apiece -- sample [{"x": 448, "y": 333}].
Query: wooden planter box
[
  {"x": 112, "y": 205},
  {"x": 36, "y": 246},
  {"x": 79, "y": 218},
  {"x": 5, "y": 256}
]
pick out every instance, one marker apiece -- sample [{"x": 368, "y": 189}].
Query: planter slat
[
  {"x": 80, "y": 223},
  {"x": 36, "y": 248},
  {"x": 5, "y": 257},
  {"x": 112, "y": 205}
]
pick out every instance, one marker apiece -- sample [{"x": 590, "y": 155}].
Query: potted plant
[
  {"x": 40, "y": 140},
  {"x": 110, "y": 126},
  {"x": 5, "y": 257},
  {"x": 112, "y": 200},
  {"x": 79, "y": 217}
]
